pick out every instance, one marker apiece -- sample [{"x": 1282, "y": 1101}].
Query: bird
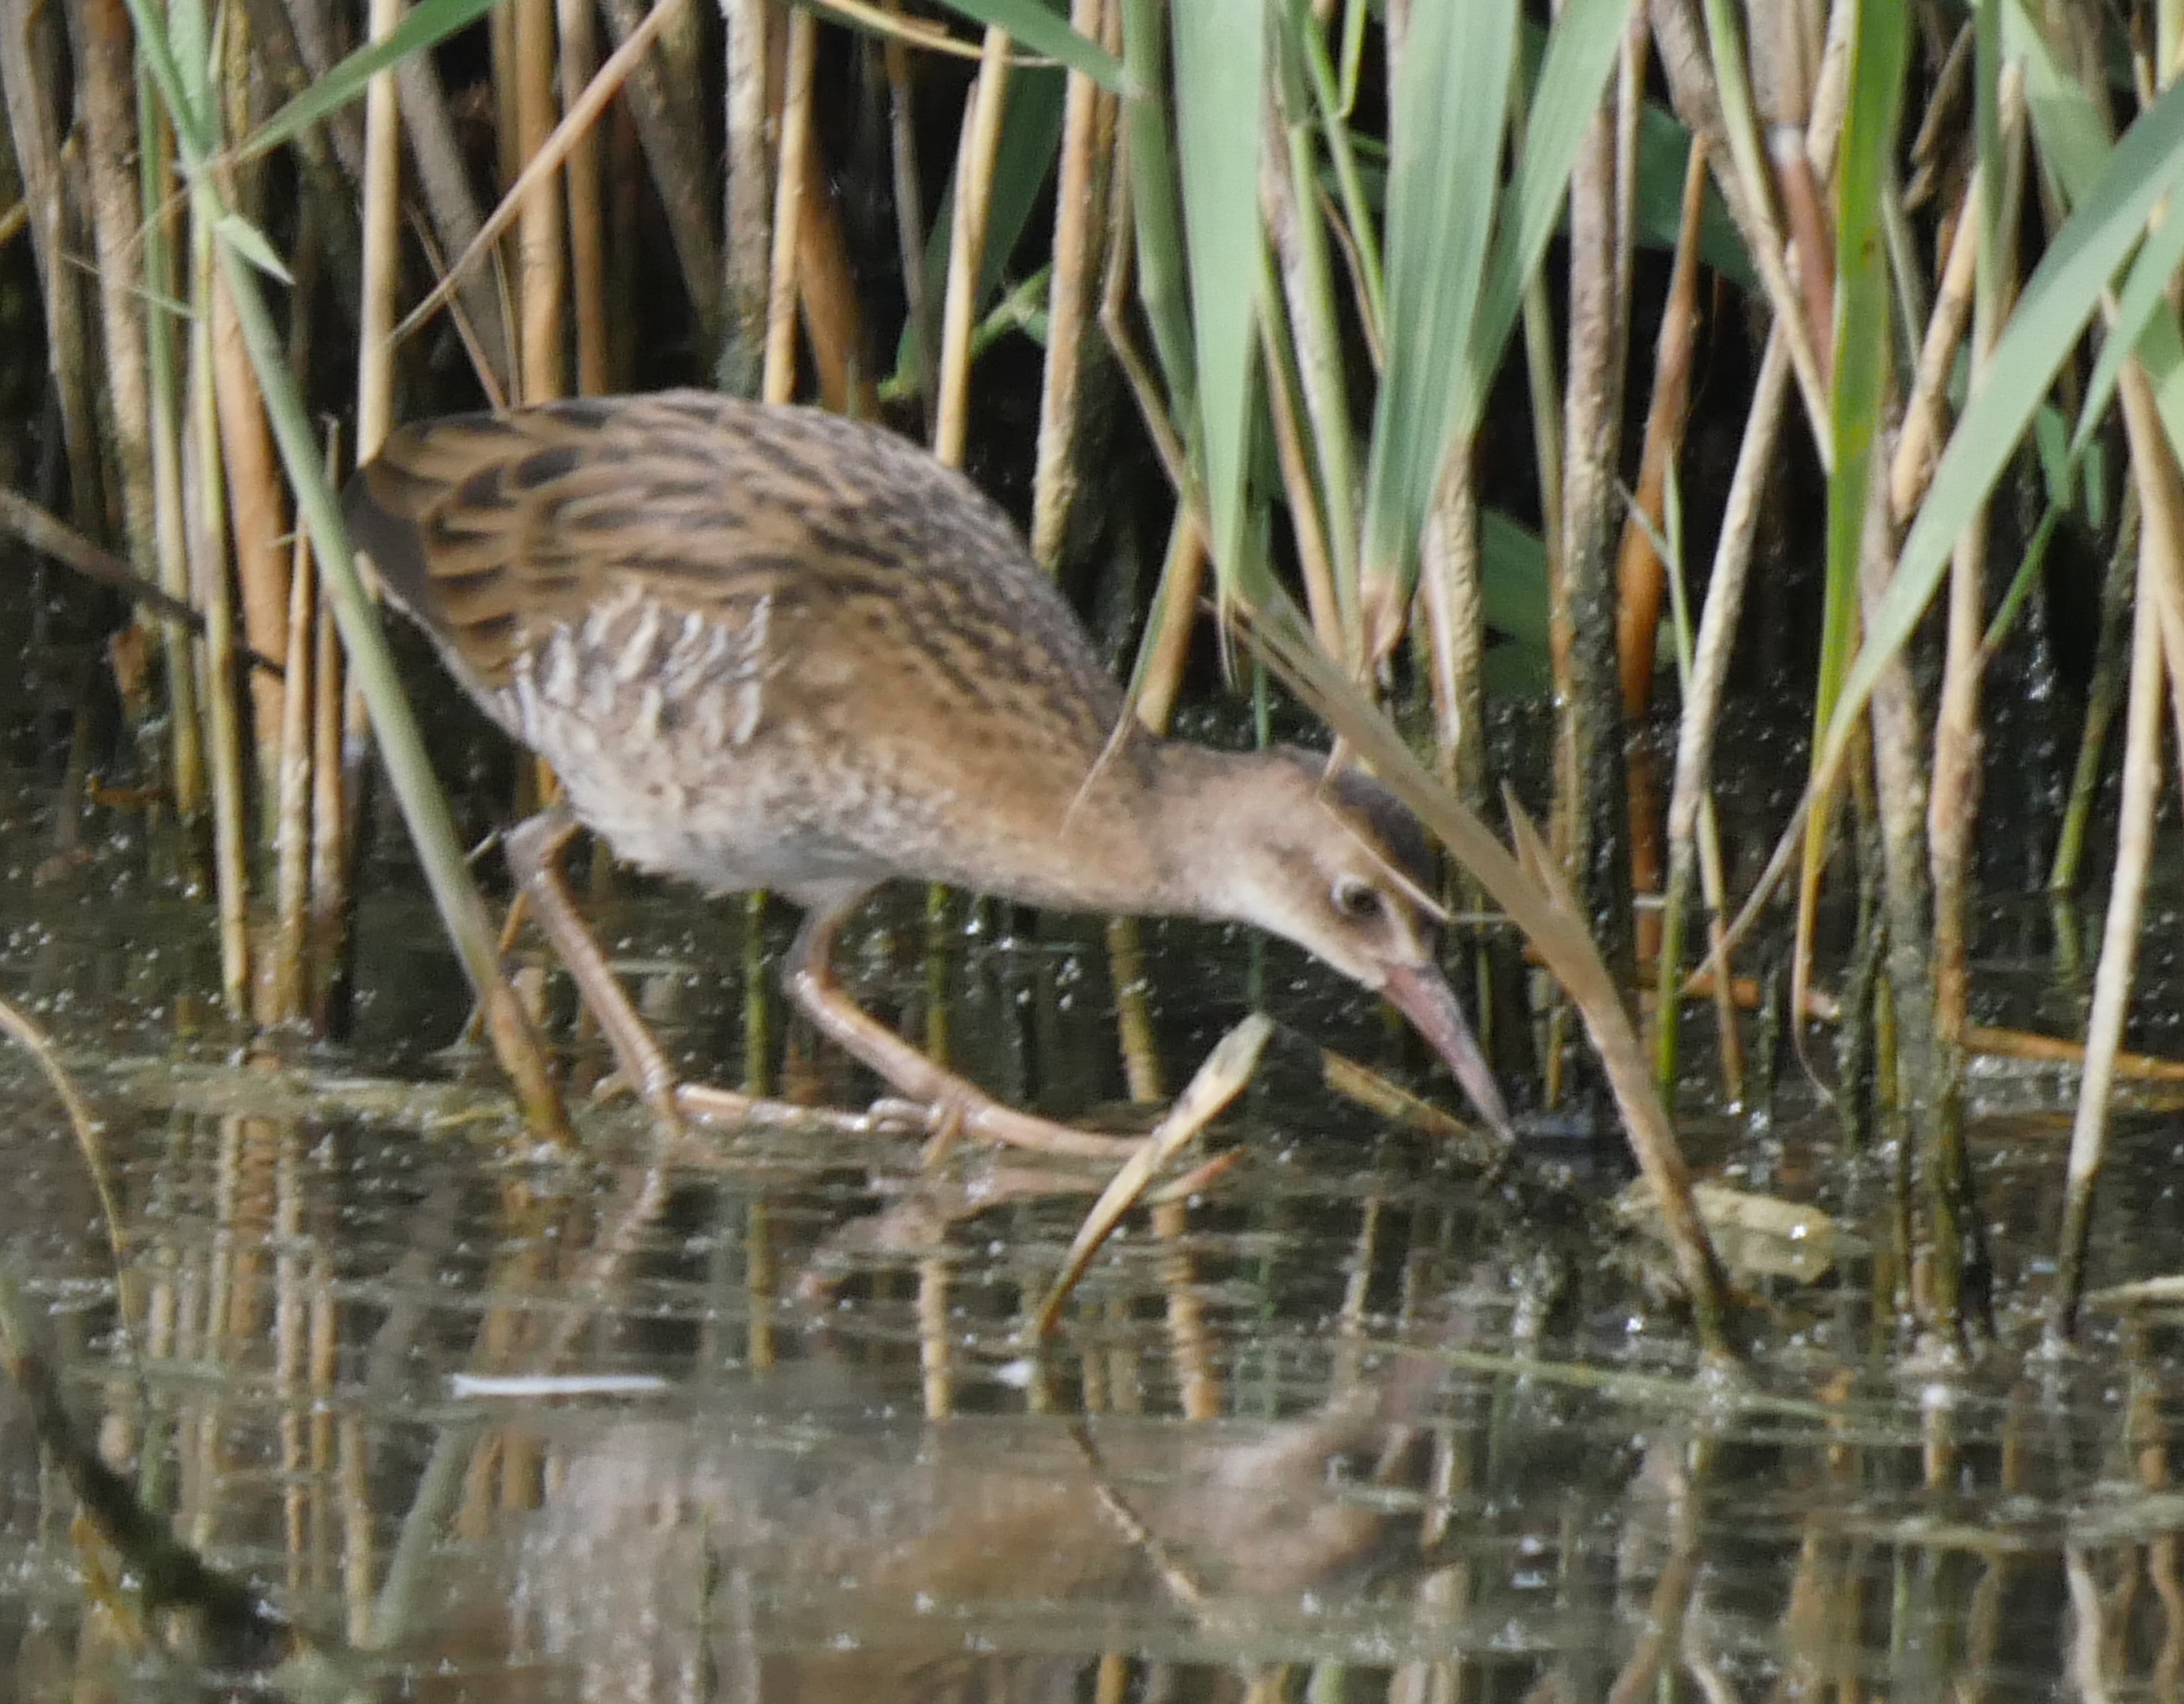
[{"x": 763, "y": 646}]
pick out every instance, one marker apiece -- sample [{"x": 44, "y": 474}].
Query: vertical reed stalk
[
  {"x": 1449, "y": 581},
  {"x": 1901, "y": 787},
  {"x": 1078, "y": 196},
  {"x": 966, "y": 243},
  {"x": 1702, "y": 694},
  {"x": 282, "y": 978},
  {"x": 163, "y": 370},
  {"x": 224, "y": 731},
  {"x": 2104, "y": 696},
  {"x": 2153, "y": 664},
  {"x": 30, "y": 65},
  {"x": 749, "y": 211},
  {"x": 258, "y": 521},
  {"x": 540, "y": 271},
  {"x": 330, "y": 821},
  {"x": 1592, "y": 814},
  {"x": 827, "y": 290},
  {"x": 106, "y": 78},
  {"x": 577, "y": 26},
  {"x": 779, "y": 381},
  {"x": 1640, "y": 575},
  {"x": 667, "y": 126},
  {"x": 1315, "y": 565}
]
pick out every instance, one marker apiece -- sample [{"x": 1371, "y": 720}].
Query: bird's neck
[{"x": 1158, "y": 830}]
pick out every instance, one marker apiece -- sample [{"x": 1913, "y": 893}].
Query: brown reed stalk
[
  {"x": 1681, "y": 37},
  {"x": 450, "y": 206},
  {"x": 331, "y": 829},
  {"x": 540, "y": 268},
  {"x": 975, "y": 158},
  {"x": 2156, "y": 660},
  {"x": 507, "y": 95},
  {"x": 328, "y": 156},
  {"x": 29, "y": 77},
  {"x": 1591, "y": 815},
  {"x": 257, "y": 522},
  {"x": 208, "y": 533},
  {"x": 1456, "y": 627},
  {"x": 1314, "y": 564},
  {"x": 382, "y": 247},
  {"x": 1698, "y": 723},
  {"x": 1288, "y": 197},
  {"x": 187, "y": 761},
  {"x": 746, "y": 239},
  {"x": 577, "y": 26},
  {"x": 106, "y": 85},
  {"x": 1175, "y": 614},
  {"x": 283, "y": 973},
  {"x": 1641, "y": 576},
  {"x": 1952, "y": 811},
  {"x": 668, "y": 126},
  {"x": 827, "y": 290},
  {"x": 1902, "y": 785},
  {"x": 778, "y": 379},
  {"x": 1079, "y": 195}
]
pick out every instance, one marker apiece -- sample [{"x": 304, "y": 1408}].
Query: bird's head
[{"x": 1339, "y": 864}]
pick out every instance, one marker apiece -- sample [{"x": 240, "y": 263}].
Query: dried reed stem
[
  {"x": 966, "y": 244},
  {"x": 539, "y": 270},
  {"x": 577, "y": 26},
  {"x": 208, "y": 534},
  {"x": 258, "y": 521},
  {"x": 750, "y": 212},
  {"x": 779, "y": 379},
  {"x": 1078, "y": 198},
  {"x": 2161, "y": 532}
]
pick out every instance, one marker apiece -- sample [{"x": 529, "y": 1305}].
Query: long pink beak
[{"x": 1423, "y": 995}]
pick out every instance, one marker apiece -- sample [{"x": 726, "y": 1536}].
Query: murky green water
[{"x": 1462, "y": 1450}]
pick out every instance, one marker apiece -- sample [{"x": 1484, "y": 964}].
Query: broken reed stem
[
  {"x": 1071, "y": 292},
  {"x": 975, "y": 160}
]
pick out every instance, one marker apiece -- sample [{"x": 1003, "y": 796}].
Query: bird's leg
[
  {"x": 810, "y": 976},
  {"x": 534, "y": 854}
]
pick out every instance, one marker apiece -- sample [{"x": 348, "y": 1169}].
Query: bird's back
[{"x": 679, "y": 598}]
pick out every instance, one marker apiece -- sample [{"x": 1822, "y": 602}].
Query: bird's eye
[{"x": 1357, "y": 898}]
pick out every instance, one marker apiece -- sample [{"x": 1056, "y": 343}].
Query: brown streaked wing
[{"x": 494, "y": 529}]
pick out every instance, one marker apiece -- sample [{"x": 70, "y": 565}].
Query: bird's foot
[{"x": 704, "y": 1103}]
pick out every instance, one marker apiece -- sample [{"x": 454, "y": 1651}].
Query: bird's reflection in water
[{"x": 803, "y": 1546}]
